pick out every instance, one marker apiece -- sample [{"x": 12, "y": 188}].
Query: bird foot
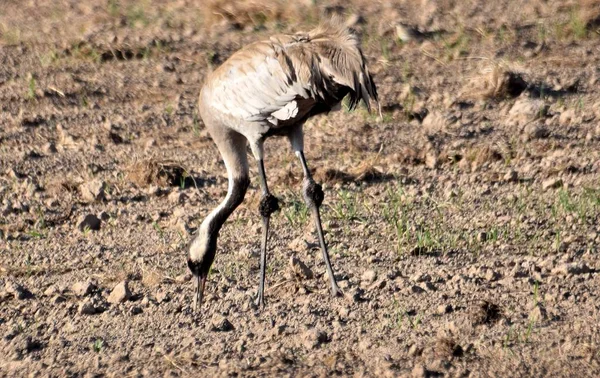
[
  {"x": 336, "y": 291},
  {"x": 259, "y": 302}
]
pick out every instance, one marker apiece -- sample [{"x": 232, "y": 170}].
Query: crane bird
[{"x": 270, "y": 88}]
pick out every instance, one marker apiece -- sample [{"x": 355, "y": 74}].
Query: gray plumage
[{"x": 270, "y": 88}]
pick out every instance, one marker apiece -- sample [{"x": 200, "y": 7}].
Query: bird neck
[{"x": 235, "y": 195}]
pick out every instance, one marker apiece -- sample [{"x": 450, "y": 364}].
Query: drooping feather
[{"x": 289, "y": 77}]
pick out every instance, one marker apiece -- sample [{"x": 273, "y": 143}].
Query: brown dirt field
[{"x": 464, "y": 225}]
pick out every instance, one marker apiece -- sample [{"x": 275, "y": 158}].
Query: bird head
[{"x": 201, "y": 256}]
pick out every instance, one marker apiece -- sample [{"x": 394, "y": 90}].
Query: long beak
[{"x": 201, "y": 281}]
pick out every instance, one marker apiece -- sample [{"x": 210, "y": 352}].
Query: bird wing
[
  {"x": 271, "y": 80},
  {"x": 253, "y": 86}
]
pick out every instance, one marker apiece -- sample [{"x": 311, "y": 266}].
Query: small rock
[
  {"x": 86, "y": 307},
  {"x": 567, "y": 117},
  {"x": 446, "y": 347},
  {"x": 434, "y": 122},
  {"x": 184, "y": 277},
  {"x": 300, "y": 244},
  {"x": 511, "y": 176},
  {"x": 135, "y": 310},
  {"x": 81, "y": 289},
  {"x": 415, "y": 350},
  {"x": 149, "y": 143},
  {"x": 343, "y": 312},
  {"x": 314, "y": 337},
  {"x": 420, "y": 277},
  {"x": 369, "y": 276},
  {"x": 51, "y": 290},
  {"x": 444, "y": 309},
  {"x": 365, "y": 345},
  {"x": 572, "y": 268},
  {"x": 431, "y": 160},
  {"x": 535, "y": 131},
  {"x": 92, "y": 191},
  {"x": 450, "y": 193},
  {"x": 492, "y": 275},
  {"x": 17, "y": 291},
  {"x": 221, "y": 324},
  {"x": 58, "y": 299},
  {"x": 177, "y": 197},
  {"x": 552, "y": 183},
  {"x": 162, "y": 296},
  {"x": 419, "y": 371},
  {"x": 49, "y": 148},
  {"x": 299, "y": 269},
  {"x": 89, "y": 222},
  {"x": 525, "y": 110},
  {"x": 120, "y": 293}
]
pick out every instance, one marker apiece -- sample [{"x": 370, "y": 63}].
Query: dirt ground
[{"x": 464, "y": 224}]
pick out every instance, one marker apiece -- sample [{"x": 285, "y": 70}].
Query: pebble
[
  {"x": 419, "y": 371},
  {"x": 177, "y": 197},
  {"x": 314, "y": 337},
  {"x": 431, "y": 160},
  {"x": 82, "y": 288},
  {"x": 221, "y": 324},
  {"x": 51, "y": 290},
  {"x": 92, "y": 191},
  {"x": 552, "y": 183},
  {"x": 511, "y": 176},
  {"x": 299, "y": 269},
  {"x": 369, "y": 276},
  {"x": 86, "y": 307},
  {"x": 16, "y": 290},
  {"x": 525, "y": 110},
  {"x": 535, "y": 131},
  {"x": 420, "y": 277},
  {"x": 444, "y": 309},
  {"x": 567, "y": 117},
  {"x": 58, "y": 299},
  {"x": 162, "y": 296},
  {"x": 492, "y": 275},
  {"x": 120, "y": 293},
  {"x": 434, "y": 122},
  {"x": 184, "y": 277},
  {"x": 571, "y": 268}
]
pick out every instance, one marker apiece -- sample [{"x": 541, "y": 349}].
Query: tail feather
[{"x": 329, "y": 59}]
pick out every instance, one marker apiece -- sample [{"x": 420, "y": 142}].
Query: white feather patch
[{"x": 289, "y": 111}]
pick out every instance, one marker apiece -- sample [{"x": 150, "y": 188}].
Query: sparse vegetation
[{"x": 462, "y": 242}]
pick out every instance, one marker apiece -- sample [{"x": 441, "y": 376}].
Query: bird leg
[
  {"x": 268, "y": 205},
  {"x": 313, "y": 196}
]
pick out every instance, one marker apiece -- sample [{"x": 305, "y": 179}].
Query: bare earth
[{"x": 464, "y": 225}]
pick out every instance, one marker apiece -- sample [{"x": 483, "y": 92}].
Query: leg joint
[
  {"x": 313, "y": 193},
  {"x": 268, "y": 205}
]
